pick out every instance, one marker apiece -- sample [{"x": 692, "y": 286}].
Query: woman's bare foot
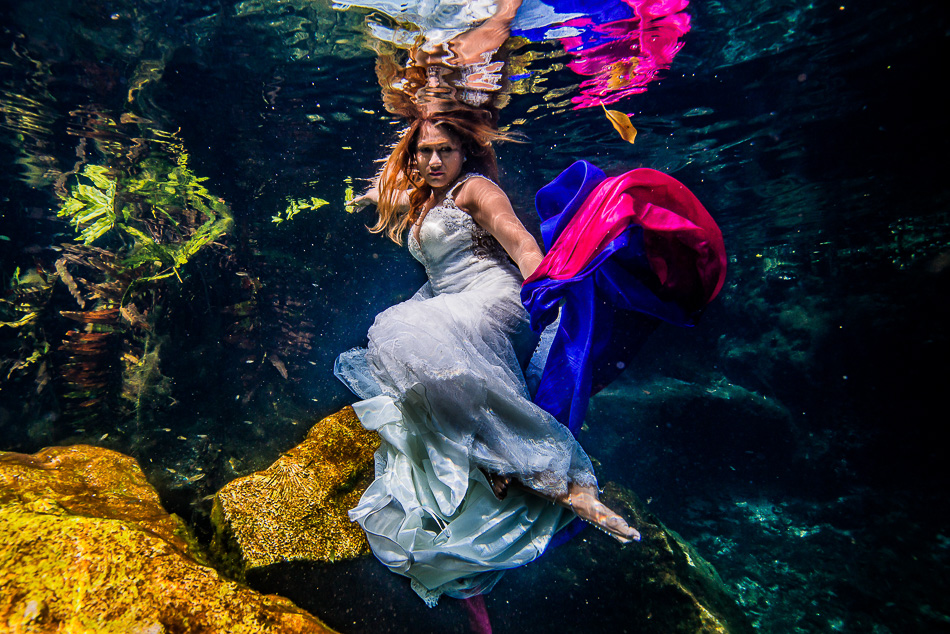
[
  {"x": 586, "y": 505},
  {"x": 584, "y": 501},
  {"x": 499, "y": 484}
]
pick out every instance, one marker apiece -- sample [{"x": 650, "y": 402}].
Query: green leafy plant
[
  {"x": 157, "y": 219},
  {"x": 90, "y": 206},
  {"x": 137, "y": 224},
  {"x": 295, "y": 206}
]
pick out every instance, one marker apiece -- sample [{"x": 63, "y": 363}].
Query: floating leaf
[
  {"x": 316, "y": 203},
  {"x": 295, "y": 206},
  {"x": 349, "y": 195},
  {"x": 621, "y": 123}
]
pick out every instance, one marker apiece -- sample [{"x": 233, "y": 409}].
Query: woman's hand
[
  {"x": 530, "y": 262},
  {"x": 369, "y": 197}
]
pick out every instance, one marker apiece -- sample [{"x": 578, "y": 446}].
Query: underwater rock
[
  {"x": 677, "y": 433},
  {"x": 657, "y": 585},
  {"x": 684, "y": 592},
  {"x": 588, "y": 584},
  {"x": 296, "y": 509},
  {"x": 85, "y": 545}
]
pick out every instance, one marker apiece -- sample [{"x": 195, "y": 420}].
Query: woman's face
[{"x": 439, "y": 156}]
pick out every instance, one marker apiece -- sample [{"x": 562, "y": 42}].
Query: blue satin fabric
[{"x": 607, "y": 310}]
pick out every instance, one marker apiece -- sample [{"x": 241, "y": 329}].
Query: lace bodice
[{"x": 455, "y": 250}]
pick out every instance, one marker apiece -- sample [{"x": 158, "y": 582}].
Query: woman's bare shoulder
[{"x": 475, "y": 191}]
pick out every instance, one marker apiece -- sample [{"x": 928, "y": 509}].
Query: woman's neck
[{"x": 439, "y": 194}]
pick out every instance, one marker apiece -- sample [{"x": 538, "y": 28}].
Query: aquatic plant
[
  {"x": 140, "y": 218},
  {"x": 91, "y": 208},
  {"x": 165, "y": 213},
  {"x": 24, "y": 346},
  {"x": 295, "y": 206},
  {"x": 27, "y": 112}
]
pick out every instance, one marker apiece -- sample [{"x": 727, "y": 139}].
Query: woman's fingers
[{"x": 370, "y": 197}]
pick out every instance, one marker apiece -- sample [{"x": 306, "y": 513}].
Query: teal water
[{"x": 793, "y": 437}]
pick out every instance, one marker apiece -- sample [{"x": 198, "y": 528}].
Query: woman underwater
[{"x": 443, "y": 382}]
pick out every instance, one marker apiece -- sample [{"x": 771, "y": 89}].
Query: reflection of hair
[
  {"x": 415, "y": 89},
  {"x": 474, "y": 130},
  {"x": 398, "y": 82}
]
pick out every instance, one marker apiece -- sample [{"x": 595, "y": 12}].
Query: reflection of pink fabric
[
  {"x": 637, "y": 48},
  {"x": 683, "y": 244}
]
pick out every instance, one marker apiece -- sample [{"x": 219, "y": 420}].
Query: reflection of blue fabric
[
  {"x": 539, "y": 20},
  {"x": 607, "y": 310}
]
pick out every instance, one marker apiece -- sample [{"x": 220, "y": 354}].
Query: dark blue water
[{"x": 795, "y": 436}]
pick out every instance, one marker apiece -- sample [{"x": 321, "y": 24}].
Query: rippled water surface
[{"x": 800, "y": 444}]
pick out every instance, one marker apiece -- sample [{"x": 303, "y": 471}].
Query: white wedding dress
[{"x": 443, "y": 385}]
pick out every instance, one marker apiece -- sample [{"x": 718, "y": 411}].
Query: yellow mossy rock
[
  {"x": 666, "y": 587},
  {"x": 296, "y": 509},
  {"x": 85, "y": 546}
]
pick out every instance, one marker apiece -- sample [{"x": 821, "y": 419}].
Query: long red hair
[{"x": 474, "y": 129}]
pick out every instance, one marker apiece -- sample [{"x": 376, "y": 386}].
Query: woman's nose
[{"x": 436, "y": 159}]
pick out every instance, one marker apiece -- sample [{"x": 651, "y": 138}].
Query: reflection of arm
[
  {"x": 506, "y": 10},
  {"x": 491, "y": 209},
  {"x": 469, "y": 47},
  {"x": 369, "y": 197}
]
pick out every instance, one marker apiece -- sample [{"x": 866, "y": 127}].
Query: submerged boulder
[
  {"x": 679, "y": 590},
  {"x": 86, "y": 546},
  {"x": 659, "y": 585},
  {"x": 662, "y": 432},
  {"x": 296, "y": 509}
]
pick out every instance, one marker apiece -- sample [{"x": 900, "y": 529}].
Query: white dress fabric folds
[
  {"x": 435, "y": 22},
  {"x": 443, "y": 385}
]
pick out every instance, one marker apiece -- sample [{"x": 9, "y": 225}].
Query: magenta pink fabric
[
  {"x": 478, "y": 621},
  {"x": 683, "y": 244}
]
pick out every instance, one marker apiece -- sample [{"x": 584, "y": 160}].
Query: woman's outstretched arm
[
  {"x": 371, "y": 197},
  {"x": 491, "y": 209}
]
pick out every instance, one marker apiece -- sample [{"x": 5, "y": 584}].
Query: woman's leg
[
  {"x": 584, "y": 501},
  {"x": 499, "y": 484},
  {"x": 586, "y": 504}
]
